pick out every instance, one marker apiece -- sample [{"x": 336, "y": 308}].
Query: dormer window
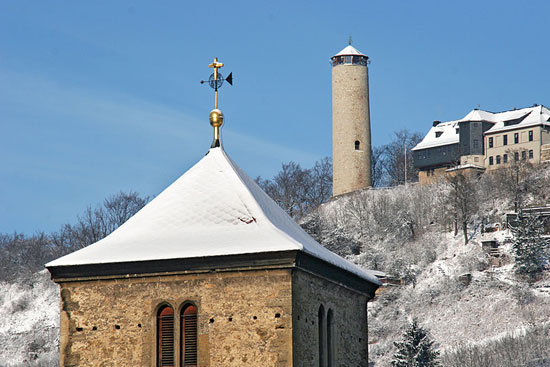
[{"x": 438, "y": 134}]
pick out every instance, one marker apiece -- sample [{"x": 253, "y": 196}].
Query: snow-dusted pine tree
[
  {"x": 416, "y": 349},
  {"x": 529, "y": 247}
]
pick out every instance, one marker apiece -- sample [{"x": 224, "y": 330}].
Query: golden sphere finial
[{"x": 216, "y": 118}]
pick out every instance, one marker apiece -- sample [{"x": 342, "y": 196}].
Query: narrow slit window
[
  {"x": 322, "y": 336},
  {"x": 330, "y": 336},
  {"x": 357, "y": 145},
  {"x": 189, "y": 340},
  {"x": 165, "y": 337}
]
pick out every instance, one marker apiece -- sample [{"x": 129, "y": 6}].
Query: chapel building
[{"x": 212, "y": 273}]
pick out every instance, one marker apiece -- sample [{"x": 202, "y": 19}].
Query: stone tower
[{"x": 351, "y": 142}]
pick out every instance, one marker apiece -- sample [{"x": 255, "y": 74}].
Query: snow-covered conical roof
[
  {"x": 350, "y": 50},
  {"x": 212, "y": 210}
]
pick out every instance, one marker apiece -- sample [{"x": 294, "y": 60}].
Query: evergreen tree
[
  {"x": 529, "y": 246},
  {"x": 416, "y": 349}
]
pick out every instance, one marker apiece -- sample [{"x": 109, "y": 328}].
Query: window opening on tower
[{"x": 357, "y": 145}]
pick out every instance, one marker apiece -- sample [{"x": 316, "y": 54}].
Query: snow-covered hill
[
  {"x": 29, "y": 322},
  {"x": 452, "y": 288}
]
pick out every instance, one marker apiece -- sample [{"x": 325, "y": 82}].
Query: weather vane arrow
[{"x": 216, "y": 79}]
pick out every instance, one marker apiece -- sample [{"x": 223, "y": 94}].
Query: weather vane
[{"x": 215, "y": 81}]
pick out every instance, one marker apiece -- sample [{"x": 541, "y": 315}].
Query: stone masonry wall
[
  {"x": 349, "y": 308},
  {"x": 350, "y": 122},
  {"x": 244, "y": 318}
]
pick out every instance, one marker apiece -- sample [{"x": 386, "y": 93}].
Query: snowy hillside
[
  {"x": 467, "y": 297},
  {"x": 29, "y": 322}
]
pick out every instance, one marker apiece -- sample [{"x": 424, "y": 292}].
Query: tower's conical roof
[
  {"x": 350, "y": 50},
  {"x": 212, "y": 210}
]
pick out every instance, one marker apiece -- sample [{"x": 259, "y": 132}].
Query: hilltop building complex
[{"x": 484, "y": 140}]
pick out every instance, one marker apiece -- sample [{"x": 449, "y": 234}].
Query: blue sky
[{"x": 98, "y": 97}]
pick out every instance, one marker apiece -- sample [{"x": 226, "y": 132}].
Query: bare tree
[
  {"x": 320, "y": 188},
  {"x": 514, "y": 178},
  {"x": 462, "y": 200},
  {"x": 96, "y": 223},
  {"x": 299, "y": 190},
  {"x": 394, "y": 162},
  {"x": 378, "y": 163}
]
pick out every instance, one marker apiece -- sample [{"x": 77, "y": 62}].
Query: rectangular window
[
  {"x": 476, "y": 143},
  {"x": 531, "y": 154},
  {"x": 347, "y": 59},
  {"x": 498, "y": 159},
  {"x": 505, "y": 139},
  {"x": 490, "y": 161},
  {"x": 523, "y": 154},
  {"x": 505, "y": 158},
  {"x": 516, "y": 138},
  {"x": 530, "y": 135},
  {"x": 516, "y": 156},
  {"x": 490, "y": 142}
]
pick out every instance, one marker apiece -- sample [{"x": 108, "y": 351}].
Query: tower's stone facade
[{"x": 351, "y": 138}]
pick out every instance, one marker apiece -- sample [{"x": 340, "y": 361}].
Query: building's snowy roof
[
  {"x": 519, "y": 119},
  {"x": 350, "y": 50},
  {"x": 479, "y": 115},
  {"x": 464, "y": 166},
  {"x": 214, "y": 209},
  {"x": 444, "y": 133}
]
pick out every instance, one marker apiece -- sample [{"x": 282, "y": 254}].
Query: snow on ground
[{"x": 29, "y": 322}]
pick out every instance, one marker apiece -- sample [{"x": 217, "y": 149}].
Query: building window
[
  {"x": 490, "y": 161},
  {"x": 530, "y": 135},
  {"x": 516, "y": 138},
  {"x": 330, "y": 336},
  {"x": 165, "y": 337},
  {"x": 531, "y": 154},
  {"x": 357, "y": 145},
  {"x": 189, "y": 340},
  {"x": 347, "y": 59},
  {"x": 523, "y": 155},
  {"x": 322, "y": 336},
  {"x": 516, "y": 156},
  {"x": 505, "y": 158},
  {"x": 490, "y": 142},
  {"x": 498, "y": 159},
  {"x": 438, "y": 134},
  {"x": 476, "y": 143},
  {"x": 505, "y": 139}
]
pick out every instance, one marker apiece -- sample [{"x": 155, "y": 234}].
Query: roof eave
[{"x": 242, "y": 262}]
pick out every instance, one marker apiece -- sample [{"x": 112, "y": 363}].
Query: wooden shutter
[
  {"x": 165, "y": 337},
  {"x": 189, "y": 336}
]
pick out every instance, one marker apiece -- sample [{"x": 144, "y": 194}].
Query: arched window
[
  {"x": 188, "y": 329},
  {"x": 322, "y": 336},
  {"x": 165, "y": 337},
  {"x": 330, "y": 336},
  {"x": 357, "y": 145}
]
